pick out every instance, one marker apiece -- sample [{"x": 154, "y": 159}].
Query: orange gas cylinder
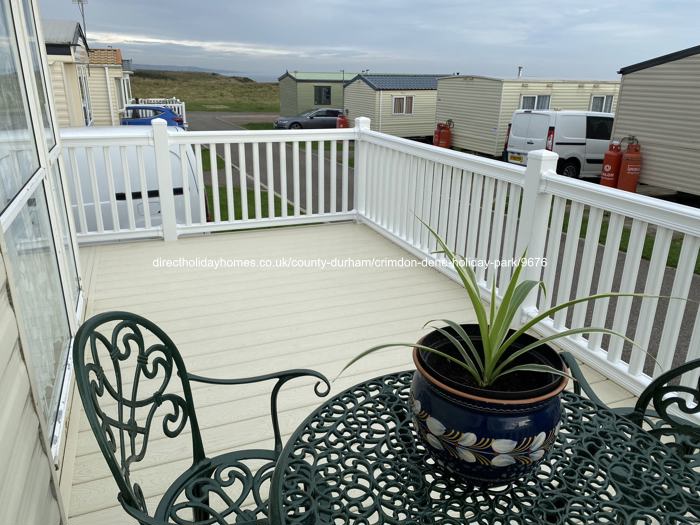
[
  {"x": 443, "y": 134},
  {"x": 342, "y": 121},
  {"x": 631, "y": 167},
  {"x": 611, "y": 165}
]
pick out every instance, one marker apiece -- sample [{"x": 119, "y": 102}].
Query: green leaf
[
  {"x": 566, "y": 333},
  {"x": 354, "y": 360},
  {"x": 460, "y": 349},
  {"x": 465, "y": 337}
]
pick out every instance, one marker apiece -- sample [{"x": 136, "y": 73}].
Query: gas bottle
[
  {"x": 443, "y": 134},
  {"x": 631, "y": 167},
  {"x": 611, "y": 165},
  {"x": 342, "y": 121}
]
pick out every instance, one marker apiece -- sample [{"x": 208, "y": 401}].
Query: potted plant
[{"x": 485, "y": 396}]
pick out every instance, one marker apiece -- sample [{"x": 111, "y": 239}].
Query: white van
[
  {"x": 580, "y": 138},
  {"x": 83, "y": 163}
]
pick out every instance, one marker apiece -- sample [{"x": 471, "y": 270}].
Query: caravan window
[{"x": 535, "y": 102}]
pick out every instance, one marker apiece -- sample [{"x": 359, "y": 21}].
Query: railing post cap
[
  {"x": 542, "y": 154},
  {"x": 362, "y": 123}
]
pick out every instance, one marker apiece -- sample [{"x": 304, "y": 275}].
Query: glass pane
[
  {"x": 543, "y": 102},
  {"x": 528, "y": 103},
  {"x": 64, "y": 233},
  {"x": 398, "y": 105},
  {"x": 18, "y": 154},
  {"x": 409, "y": 105},
  {"x": 608, "y": 104},
  {"x": 38, "y": 73},
  {"x": 597, "y": 104},
  {"x": 39, "y": 297}
]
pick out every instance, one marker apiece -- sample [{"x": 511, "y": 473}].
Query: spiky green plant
[{"x": 492, "y": 362}]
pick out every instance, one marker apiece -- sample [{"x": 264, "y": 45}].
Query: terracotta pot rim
[{"x": 464, "y": 395}]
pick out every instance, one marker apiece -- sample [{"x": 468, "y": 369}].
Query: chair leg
[{"x": 199, "y": 514}]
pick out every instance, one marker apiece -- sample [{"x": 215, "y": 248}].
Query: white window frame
[
  {"x": 84, "y": 82},
  {"x": 54, "y": 432},
  {"x": 608, "y": 101},
  {"x": 537, "y": 101},
  {"x": 394, "y": 98}
]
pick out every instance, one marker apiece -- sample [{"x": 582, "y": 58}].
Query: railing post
[
  {"x": 361, "y": 124},
  {"x": 534, "y": 218},
  {"x": 161, "y": 149}
]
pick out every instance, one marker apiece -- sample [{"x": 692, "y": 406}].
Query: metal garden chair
[
  {"x": 661, "y": 407},
  {"x": 133, "y": 383}
]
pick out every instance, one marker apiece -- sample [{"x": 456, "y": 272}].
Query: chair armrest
[
  {"x": 580, "y": 382},
  {"x": 322, "y": 388}
]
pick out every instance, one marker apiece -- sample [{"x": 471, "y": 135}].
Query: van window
[
  {"x": 519, "y": 126},
  {"x": 539, "y": 124},
  {"x": 599, "y": 128}
]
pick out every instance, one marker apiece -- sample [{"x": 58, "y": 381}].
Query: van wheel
[{"x": 569, "y": 168}]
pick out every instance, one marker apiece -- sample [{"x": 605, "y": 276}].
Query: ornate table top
[{"x": 357, "y": 460}]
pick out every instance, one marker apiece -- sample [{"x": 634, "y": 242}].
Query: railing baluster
[
  {"x": 333, "y": 174},
  {"x": 127, "y": 187},
  {"x": 404, "y": 178},
  {"x": 445, "y": 175},
  {"x": 308, "y": 180},
  {"x": 647, "y": 312},
  {"x": 185, "y": 180},
  {"x": 270, "y": 181},
  {"x": 230, "y": 206},
  {"x": 143, "y": 186},
  {"x": 606, "y": 277},
  {"x": 419, "y": 176},
  {"x": 97, "y": 202},
  {"x": 111, "y": 188},
  {"x": 486, "y": 228},
  {"x": 243, "y": 181},
  {"x": 78, "y": 191},
  {"x": 391, "y": 190},
  {"x": 474, "y": 215},
  {"x": 283, "y": 178},
  {"x": 321, "y": 168},
  {"x": 453, "y": 206},
  {"x": 568, "y": 265},
  {"x": 426, "y": 236},
  {"x": 495, "y": 251},
  {"x": 556, "y": 224},
  {"x": 463, "y": 213},
  {"x": 202, "y": 190},
  {"x": 627, "y": 285},
  {"x": 435, "y": 194},
  {"x": 685, "y": 269},
  {"x": 585, "y": 274},
  {"x": 256, "y": 179},
  {"x": 295, "y": 168},
  {"x": 346, "y": 165},
  {"x": 214, "y": 174}
]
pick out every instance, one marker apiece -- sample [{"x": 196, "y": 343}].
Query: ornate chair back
[{"x": 131, "y": 377}]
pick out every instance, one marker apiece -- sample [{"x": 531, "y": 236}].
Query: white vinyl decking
[{"x": 242, "y": 322}]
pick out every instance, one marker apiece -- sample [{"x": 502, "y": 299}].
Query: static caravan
[
  {"x": 482, "y": 107},
  {"x": 401, "y": 105},
  {"x": 109, "y": 86},
  {"x": 660, "y": 105},
  {"x": 302, "y": 91},
  {"x": 67, "y": 53}
]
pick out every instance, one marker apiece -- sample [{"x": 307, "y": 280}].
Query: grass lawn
[
  {"x": 673, "y": 252},
  {"x": 207, "y": 91},
  {"x": 259, "y": 125},
  {"x": 223, "y": 204}
]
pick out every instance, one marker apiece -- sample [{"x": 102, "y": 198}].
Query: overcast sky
[{"x": 263, "y": 38}]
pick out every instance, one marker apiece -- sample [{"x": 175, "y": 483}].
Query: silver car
[{"x": 314, "y": 119}]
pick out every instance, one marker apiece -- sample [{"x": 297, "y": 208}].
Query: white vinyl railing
[{"x": 593, "y": 239}]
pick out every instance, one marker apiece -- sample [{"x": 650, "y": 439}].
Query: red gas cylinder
[
  {"x": 443, "y": 134},
  {"x": 342, "y": 121},
  {"x": 631, "y": 167},
  {"x": 611, "y": 165}
]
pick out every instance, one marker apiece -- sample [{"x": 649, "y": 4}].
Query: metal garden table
[{"x": 356, "y": 460}]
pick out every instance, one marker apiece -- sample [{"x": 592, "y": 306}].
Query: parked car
[
  {"x": 580, "y": 138},
  {"x": 89, "y": 189},
  {"x": 142, "y": 114},
  {"x": 314, "y": 119}
]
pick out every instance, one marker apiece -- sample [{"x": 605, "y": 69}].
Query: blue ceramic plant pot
[{"x": 486, "y": 436}]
